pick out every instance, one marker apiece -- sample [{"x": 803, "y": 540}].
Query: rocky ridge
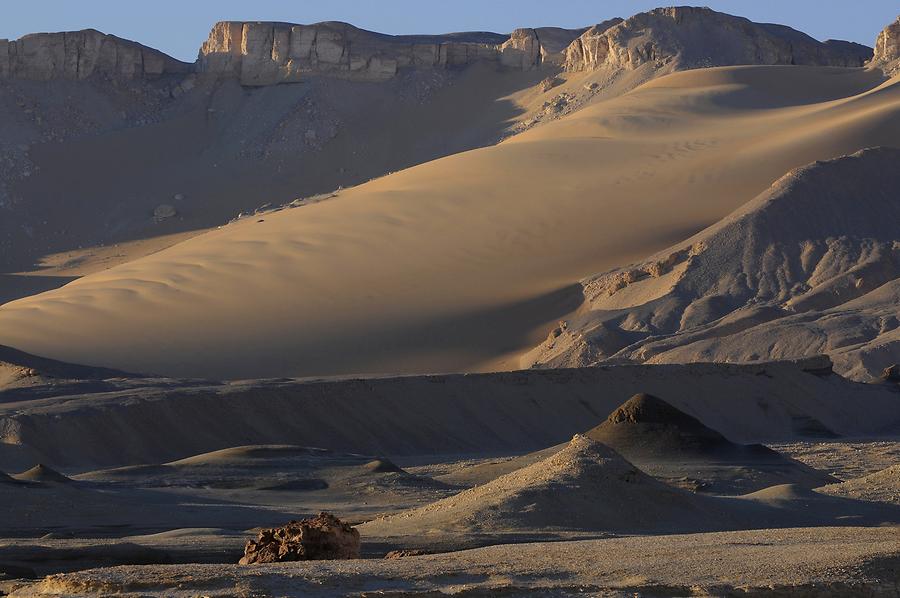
[
  {"x": 265, "y": 53},
  {"x": 810, "y": 266},
  {"x": 688, "y": 37},
  {"x": 80, "y": 54}
]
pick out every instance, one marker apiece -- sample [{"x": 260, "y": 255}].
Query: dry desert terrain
[{"x": 608, "y": 311}]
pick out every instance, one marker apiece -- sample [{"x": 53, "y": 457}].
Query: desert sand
[
  {"x": 463, "y": 262},
  {"x": 881, "y": 486},
  {"x": 844, "y": 561},
  {"x": 114, "y": 494},
  {"x": 605, "y": 311}
]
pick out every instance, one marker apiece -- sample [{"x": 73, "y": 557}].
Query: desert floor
[{"x": 170, "y": 477}]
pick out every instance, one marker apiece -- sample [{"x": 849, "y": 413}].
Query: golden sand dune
[{"x": 461, "y": 263}]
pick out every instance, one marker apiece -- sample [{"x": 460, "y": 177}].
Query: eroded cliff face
[
  {"x": 887, "y": 49},
  {"x": 270, "y": 53},
  {"x": 81, "y": 54},
  {"x": 687, "y": 37},
  {"x": 267, "y": 53}
]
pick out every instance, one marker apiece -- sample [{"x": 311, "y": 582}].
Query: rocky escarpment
[
  {"x": 810, "y": 266},
  {"x": 81, "y": 54},
  {"x": 267, "y": 53},
  {"x": 887, "y": 49},
  {"x": 687, "y": 37}
]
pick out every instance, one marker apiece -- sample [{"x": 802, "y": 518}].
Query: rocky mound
[
  {"x": 82, "y": 54},
  {"x": 668, "y": 443},
  {"x": 881, "y": 486},
  {"x": 42, "y": 473},
  {"x": 585, "y": 486},
  {"x": 808, "y": 267},
  {"x": 887, "y": 49},
  {"x": 324, "y": 537},
  {"x": 646, "y": 426},
  {"x": 685, "y": 37}
]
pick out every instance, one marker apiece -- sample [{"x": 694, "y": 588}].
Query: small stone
[
  {"x": 399, "y": 554},
  {"x": 891, "y": 373},
  {"x": 164, "y": 211},
  {"x": 549, "y": 83}
]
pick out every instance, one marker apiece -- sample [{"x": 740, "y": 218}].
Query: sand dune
[
  {"x": 462, "y": 262},
  {"x": 94, "y": 180}
]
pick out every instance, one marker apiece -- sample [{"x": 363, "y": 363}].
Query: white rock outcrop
[
  {"x": 887, "y": 49},
  {"x": 81, "y": 54},
  {"x": 266, "y": 53},
  {"x": 688, "y": 37}
]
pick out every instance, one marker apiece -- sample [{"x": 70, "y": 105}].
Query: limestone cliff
[
  {"x": 81, "y": 54},
  {"x": 268, "y": 53},
  {"x": 687, "y": 37},
  {"x": 887, "y": 49}
]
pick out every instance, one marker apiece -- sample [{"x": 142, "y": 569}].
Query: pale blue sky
[{"x": 179, "y": 26}]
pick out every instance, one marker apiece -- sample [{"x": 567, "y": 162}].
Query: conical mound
[
  {"x": 670, "y": 444},
  {"x": 646, "y": 426},
  {"x": 586, "y": 486},
  {"x": 42, "y": 473}
]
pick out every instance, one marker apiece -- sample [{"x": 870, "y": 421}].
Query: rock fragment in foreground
[
  {"x": 891, "y": 373},
  {"x": 324, "y": 537}
]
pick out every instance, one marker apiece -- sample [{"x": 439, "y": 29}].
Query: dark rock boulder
[{"x": 324, "y": 537}]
